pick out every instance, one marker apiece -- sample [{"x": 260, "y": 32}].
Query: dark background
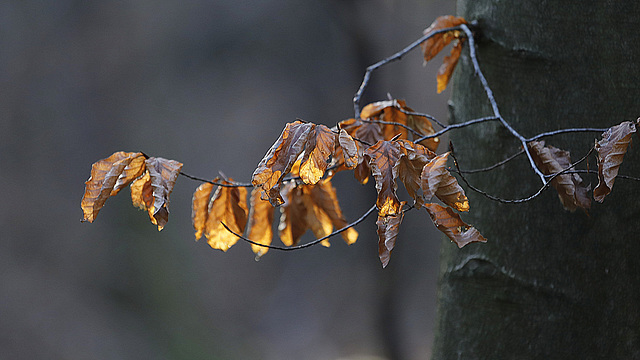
[{"x": 210, "y": 84}]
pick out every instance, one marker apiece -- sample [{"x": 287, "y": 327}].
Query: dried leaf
[
  {"x": 104, "y": 177},
  {"x": 199, "y": 208},
  {"x": 437, "y": 181},
  {"x": 448, "y": 65},
  {"x": 382, "y": 158},
  {"x": 349, "y": 147},
  {"x": 142, "y": 195},
  {"x": 611, "y": 150},
  {"x": 319, "y": 148},
  {"x": 293, "y": 215},
  {"x": 450, "y": 223},
  {"x": 409, "y": 167},
  {"x": 260, "y": 219},
  {"x": 432, "y": 46},
  {"x": 324, "y": 197},
  {"x": 388, "y": 227},
  {"x": 393, "y": 111},
  {"x": 134, "y": 170},
  {"x": 229, "y": 206},
  {"x": 279, "y": 160},
  {"x": 163, "y": 175},
  {"x": 571, "y": 189}
]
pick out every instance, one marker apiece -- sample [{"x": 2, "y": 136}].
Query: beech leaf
[
  {"x": 432, "y": 46},
  {"x": 572, "y": 190},
  {"x": 319, "y": 148},
  {"x": 199, "y": 208},
  {"x": 448, "y": 65},
  {"x": 611, "y": 150},
  {"x": 293, "y": 215},
  {"x": 107, "y": 177},
  {"x": 163, "y": 174},
  {"x": 388, "y": 227},
  {"x": 142, "y": 195},
  {"x": 450, "y": 223},
  {"x": 324, "y": 197},
  {"x": 229, "y": 206},
  {"x": 259, "y": 226},
  {"x": 437, "y": 181},
  {"x": 409, "y": 166},
  {"x": 382, "y": 158}
]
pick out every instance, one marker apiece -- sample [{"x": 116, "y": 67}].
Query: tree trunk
[{"x": 548, "y": 284}]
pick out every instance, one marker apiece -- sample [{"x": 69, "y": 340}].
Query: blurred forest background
[{"x": 210, "y": 84}]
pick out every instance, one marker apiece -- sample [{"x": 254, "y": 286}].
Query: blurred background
[{"x": 210, "y": 84}]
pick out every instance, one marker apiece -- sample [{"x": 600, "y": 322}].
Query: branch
[
  {"x": 314, "y": 242},
  {"x": 488, "y": 168},
  {"x": 561, "y": 131},
  {"x": 456, "y": 126}
]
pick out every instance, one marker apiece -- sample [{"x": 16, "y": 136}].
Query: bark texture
[{"x": 548, "y": 284}]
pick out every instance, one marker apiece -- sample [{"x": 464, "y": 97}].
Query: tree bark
[{"x": 549, "y": 283}]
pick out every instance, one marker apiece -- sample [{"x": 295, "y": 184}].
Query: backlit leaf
[
  {"x": 324, "y": 197},
  {"x": 448, "y": 65},
  {"x": 382, "y": 158},
  {"x": 437, "y": 181},
  {"x": 409, "y": 166},
  {"x": 319, "y": 148},
  {"x": 611, "y": 150},
  {"x": 350, "y": 149},
  {"x": 450, "y": 223},
  {"x": 260, "y": 220},
  {"x": 279, "y": 160},
  {"x": 142, "y": 195},
  {"x": 572, "y": 190},
  {"x": 229, "y": 206},
  {"x": 104, "y": 178},
  {"x": 200, "y": 205},
  {"x": 163, "y": 174},
  {"x": 293, "y": 215},
  {"x": 388, "y": 227}
]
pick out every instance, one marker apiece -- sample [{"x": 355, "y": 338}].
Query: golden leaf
[
  {"x": 293, "y": 215},
  {"x": 409, "y": 166},
  {"x": 199, "y": 208},
  {"x": 350, "y": 149},
  {"x": 260, "y": 219},
  {"x": 611, "y": 150},
  {"x": 437, "y": 181},
  {"x": 279, "y": 160},
  {"x": 142, "y": 195},
  {"x": 382, "y": 158},
  {"x": 163, "y": 174},
  {"x": 450, "y": 223},
  {"x": 106, "y": 174},
  {"x": 324, "y": 198},
  {"x": 571, "y": 189},
  {"x": 448, "y": 65},
  {"x": 319, "y": 148},
  {"x": 229, "y": 206}
]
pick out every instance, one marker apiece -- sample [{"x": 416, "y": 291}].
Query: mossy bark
[{"x": 549, "y": 283}]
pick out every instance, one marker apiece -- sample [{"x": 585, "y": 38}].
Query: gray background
[{"x": 210, "y": 84}]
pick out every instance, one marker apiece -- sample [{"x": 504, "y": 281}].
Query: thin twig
[
  {"x": 498, "y": 164},
  {"x": 430, "y": 117},
  {"x": 456, "y": 126},
  {"x": 414, "y": 132},
  {"x": 561, "y": 131},
  {"x": 314, "y": 242},
  {"x": 394, "y": 57}
]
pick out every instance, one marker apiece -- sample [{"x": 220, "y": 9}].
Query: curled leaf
[
  {"x": 260, "y": 220},
  {"x": 437, "y": 181},
  {"x": 319, "y": 148},
  {"x": 448, "y": 65},
  {"x": 382, "y": 158},
  {"x": 324, "y": 197},
  {"x": 450, "y": 223},
  {"x": 388, "y": 227},
  {"x": 572, "y": 190},
  {"x": 611, "y": 150},
  {"x": 108, "y": 176},
  {"x": 293, "y": 215},
  {"x": 350, "y": 149},
  {"x": 409, "y": 166},
  {"x": 163, "y": 174},
  {"x": 199, "y": 208},
  {"x": 142, "y": 195},
  {"x": 229, "y": 206}
]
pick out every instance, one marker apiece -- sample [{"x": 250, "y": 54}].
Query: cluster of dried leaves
[{"x": 295, "y": 175}]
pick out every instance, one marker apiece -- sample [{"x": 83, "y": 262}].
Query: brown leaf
[
  {"x": 260, "y": 220},
  {"x": 409, "y": 167},
  {"x": 293, "y": 215},
  {"x": 393, "y": 111},
  {"x": 142, "y": 195},
  {"x": 382, "y": 158},
  {"x": 350, "y": 149},
  {"x": 448, "y": 65},
  {"x": 134, "y": 170},
  {"x": 388, "y": 227},
  {"x": 229, "y": 206},
  {"x": 319, "y": 148},
  {"x": 450, "y": 223},
  {"x": 279, "y": 160},
  {"x": 324, "y": 197},
  {"x": 437, "y": 181},
  {"x": 611, "y": 150},
  {"x": 432, "y": 46},
  {"x": 199, "y": 208},
  {"x": 108, "y": 176},
  {"x": 163, "y": 175},
  {"x": 571, "y": 189}
]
